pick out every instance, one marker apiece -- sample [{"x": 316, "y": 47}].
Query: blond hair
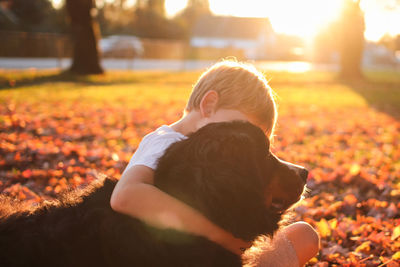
[{"x": 239, "y": 86}]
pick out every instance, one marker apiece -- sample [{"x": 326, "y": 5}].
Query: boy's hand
[
  {"x": 231, "y": 243},
  {"x": 304, "y": 239}
]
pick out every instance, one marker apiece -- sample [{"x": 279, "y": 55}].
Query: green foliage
[
  {"x": 30, "y": 12},
  {"x": 147, "y": 19},
  {"x": 149, "y": 23},
  {"x": 38, "y": 15},
  {"x": 188, "y": 16}
]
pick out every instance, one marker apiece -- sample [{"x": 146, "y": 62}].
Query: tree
[
  {"x": 201, "y": 6},
  {"x": 351, "y": 31},
  {"x": 116, "y": 18},
  {"x": 391, "y": 42},
  {"x": 85, "y": 33},
  {"x": 28, "y": 15},
  {"x": 325, "y": 43},
  {"x": 157, "y": 6},
  {"x": 150, "y": 21},
  {"x": 193, "y": 11}
]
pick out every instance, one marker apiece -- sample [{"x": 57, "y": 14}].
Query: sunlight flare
[
  {"x": 172, "y": 7},
  {"x": 304, "y": 18},
  {"x": 301, "y": 18}
]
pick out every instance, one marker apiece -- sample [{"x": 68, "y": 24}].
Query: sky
[{"x": 303, "y": 18}]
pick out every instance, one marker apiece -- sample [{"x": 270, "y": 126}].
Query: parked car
[{"x": 121, "y": 46}]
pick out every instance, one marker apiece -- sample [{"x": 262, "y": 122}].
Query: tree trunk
[
  {"x": 85, "y": 33},
  {"x": 352, "y": 40}
]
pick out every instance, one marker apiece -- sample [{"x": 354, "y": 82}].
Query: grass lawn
[
  {"x": 56, "y": 130},
  {"x": 318, "y": 88}
]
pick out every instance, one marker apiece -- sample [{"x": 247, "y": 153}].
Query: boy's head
[{"x": 234, "y": 86}]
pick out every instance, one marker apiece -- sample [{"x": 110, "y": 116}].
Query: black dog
[{"x": 224, "y": 170}]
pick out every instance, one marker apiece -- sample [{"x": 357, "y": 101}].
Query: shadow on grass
[
  {"x": 380, "y": 90},
  {"x": 17, "y": 80}
]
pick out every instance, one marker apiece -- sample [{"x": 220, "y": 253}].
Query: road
[
  {"x": 171, "y": 65},
  {"x": 153, "y": 64}
]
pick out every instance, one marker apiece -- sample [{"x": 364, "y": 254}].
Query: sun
[{"x": 174, "y": 6}]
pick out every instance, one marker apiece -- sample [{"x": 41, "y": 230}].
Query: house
[
  {"x": 376, "y": 54},
  {"x": 252, "y": 35}
]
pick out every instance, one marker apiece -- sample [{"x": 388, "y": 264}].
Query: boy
[{"x": 227, "y": 91}]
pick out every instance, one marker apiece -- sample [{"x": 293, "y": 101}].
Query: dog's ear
[{"x": 222, "y": 170}]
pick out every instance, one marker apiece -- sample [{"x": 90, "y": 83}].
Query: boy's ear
[{"x": 208, "y": 103}]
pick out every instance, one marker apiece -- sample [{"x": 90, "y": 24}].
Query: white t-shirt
[{"x": 153, "y": 146}]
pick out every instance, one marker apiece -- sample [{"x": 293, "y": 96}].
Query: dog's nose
[{"x": 304, "y": 174}]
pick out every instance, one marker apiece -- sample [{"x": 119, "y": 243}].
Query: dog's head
[{"x": 226, "y": 171}]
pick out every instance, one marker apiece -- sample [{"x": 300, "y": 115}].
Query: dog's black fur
[{"x": 223, "y": 170}]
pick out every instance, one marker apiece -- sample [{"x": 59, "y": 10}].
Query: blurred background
[{"x": 191, "y": 34}]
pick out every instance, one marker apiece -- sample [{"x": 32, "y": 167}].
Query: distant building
[
  {"x": 378, "y": 54},
  {"x": 252, "y": 35}
]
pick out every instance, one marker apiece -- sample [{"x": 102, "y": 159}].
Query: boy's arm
[{"x": 135, "y": 195}]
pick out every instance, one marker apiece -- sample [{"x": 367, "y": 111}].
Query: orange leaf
[
  {"x": 350, "y": 199},
  {"x": 396, "y": 233},
  {"x": 396, "y": 256},
  {"x": 355, "y": 169},
  {"x": 27, "y": 174},
  {"x": 323, "y": 228},
  {"x": 365, "y": 246}
]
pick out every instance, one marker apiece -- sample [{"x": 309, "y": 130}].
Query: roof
[{"x": 231, "y": 27}]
